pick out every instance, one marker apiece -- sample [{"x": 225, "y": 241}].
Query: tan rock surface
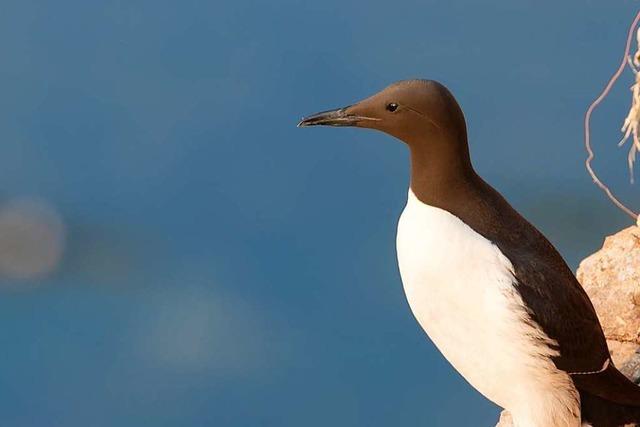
[
  {"x": 611, "y": 277},
  {"x": 505, "y": 420}
]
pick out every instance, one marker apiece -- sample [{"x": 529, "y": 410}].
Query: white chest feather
[{"x": 459, "y": 286}]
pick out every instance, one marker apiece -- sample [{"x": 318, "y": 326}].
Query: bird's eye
[{"x": 392, "y": 106}]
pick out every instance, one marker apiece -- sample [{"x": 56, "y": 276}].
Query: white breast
[{"x": 460, "y": 289}]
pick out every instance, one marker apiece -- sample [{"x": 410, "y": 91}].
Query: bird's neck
[{"x": 439, "y": 169}]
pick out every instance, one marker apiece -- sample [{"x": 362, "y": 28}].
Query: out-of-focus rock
[
  {"x": 32, "y": 239},
  {"x": 611, "y": 277}
]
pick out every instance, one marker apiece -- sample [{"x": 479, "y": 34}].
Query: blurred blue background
[{"x": 175, "y": 252}]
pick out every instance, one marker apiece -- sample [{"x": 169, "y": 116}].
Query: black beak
[{"x": 339, "y": 117}]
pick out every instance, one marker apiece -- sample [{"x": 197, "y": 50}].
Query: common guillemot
[{"x": 492, "y": 293}]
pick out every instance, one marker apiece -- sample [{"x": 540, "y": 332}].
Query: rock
[
  {"x": 505, "y": 420},
  {"x": 611, "y": 277}
]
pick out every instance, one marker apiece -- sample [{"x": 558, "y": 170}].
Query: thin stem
[{"x": 587, "y": 121}]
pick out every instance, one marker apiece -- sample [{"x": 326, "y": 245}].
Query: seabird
[{"x": 492, "y": 293}]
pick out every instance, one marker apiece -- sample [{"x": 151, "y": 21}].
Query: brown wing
[
  {"x": 610, "y": 385},
  {"x": 553, "y": 296},
  {"x": 581, "y": 342}
]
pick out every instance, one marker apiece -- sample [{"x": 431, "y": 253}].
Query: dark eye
[{"x": 392, "y": 106}]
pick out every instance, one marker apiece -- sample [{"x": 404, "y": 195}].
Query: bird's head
[{"x": 417, "y": 112}]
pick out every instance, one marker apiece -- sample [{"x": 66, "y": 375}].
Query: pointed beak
[{"x": 340, "y": 117}]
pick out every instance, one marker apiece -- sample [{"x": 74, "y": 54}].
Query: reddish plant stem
[{"x": 587, "y": 121}]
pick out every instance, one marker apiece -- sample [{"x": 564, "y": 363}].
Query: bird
[{"x": 491, "y": 292}]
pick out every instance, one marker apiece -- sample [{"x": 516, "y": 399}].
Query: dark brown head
[
  {"x": 424, "y": 115},
  {"x": 421, "y": 113},
  {"x": 414, "y": 111}
]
